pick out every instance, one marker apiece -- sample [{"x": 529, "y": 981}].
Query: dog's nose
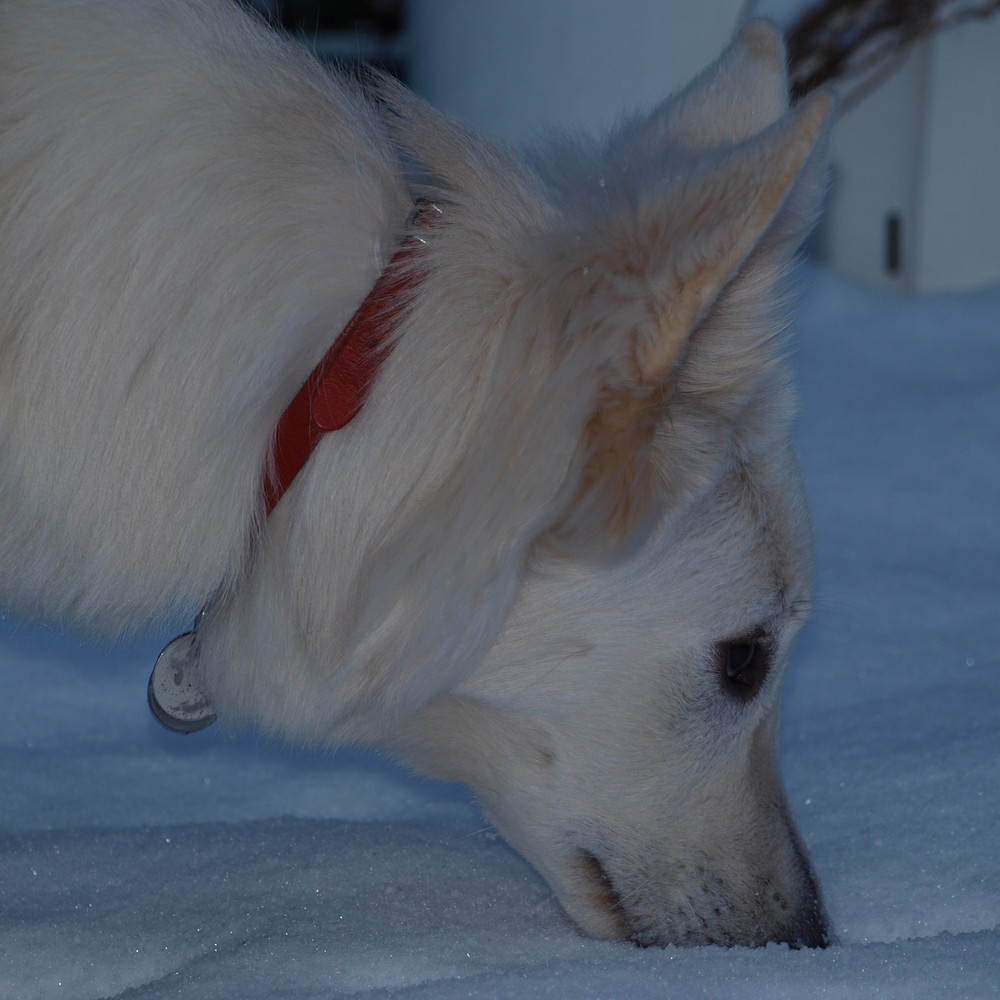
[{"x": 811, "y": 927}]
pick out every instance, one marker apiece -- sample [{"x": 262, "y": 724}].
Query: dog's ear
[
  {"x": 657, "y": 277},
  {"x": 741, "y": 94}
]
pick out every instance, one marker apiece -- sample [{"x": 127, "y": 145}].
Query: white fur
[{"x": 570, "y": 484}]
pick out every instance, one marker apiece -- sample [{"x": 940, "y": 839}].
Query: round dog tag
[{"x": 175, "y": 699}]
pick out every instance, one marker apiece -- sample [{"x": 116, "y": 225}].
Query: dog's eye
[{"x": 743, "y": 665}]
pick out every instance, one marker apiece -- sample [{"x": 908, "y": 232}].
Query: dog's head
[
  {"x": 621, "y": 729},
  {"x": 563, "y": 553},
  {"x": 621, "y": 732}
]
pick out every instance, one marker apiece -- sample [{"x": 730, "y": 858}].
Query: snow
[{"x": 146, "y": 865}]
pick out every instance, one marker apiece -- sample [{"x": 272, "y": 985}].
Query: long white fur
[{"x": 191, "y": 209}]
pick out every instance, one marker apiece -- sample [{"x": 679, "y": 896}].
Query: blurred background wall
[
  {"x": 914, "y": 203},
  {"x": 512, "y": 68}
]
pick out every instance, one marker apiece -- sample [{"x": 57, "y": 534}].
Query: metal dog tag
[{"x": 175, "y": 699}]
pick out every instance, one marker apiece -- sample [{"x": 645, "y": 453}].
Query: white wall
[
  {"x": 960, "y": 176},
  {"x": 924, "y": 147},
  {"x": 509, "y": 68}
]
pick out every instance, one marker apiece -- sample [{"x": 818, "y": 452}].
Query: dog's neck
[
  {"x": 331, "y": 397},
  {"x": 335, "y": 391}
]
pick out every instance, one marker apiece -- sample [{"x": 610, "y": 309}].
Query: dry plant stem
[{"x": 866, "y": 39}]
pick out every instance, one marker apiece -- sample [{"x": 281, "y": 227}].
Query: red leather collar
[
  {"x": 331, "y": 398},
  {"x": 335, "y": 391}
]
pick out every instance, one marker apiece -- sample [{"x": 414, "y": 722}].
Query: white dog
[{"x": 561, "y": 552}]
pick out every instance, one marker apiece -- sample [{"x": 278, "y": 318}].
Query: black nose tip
[{"x": 811, "y": 928}]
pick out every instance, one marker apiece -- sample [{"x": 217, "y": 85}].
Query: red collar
[{"x": 335, "y": 390}]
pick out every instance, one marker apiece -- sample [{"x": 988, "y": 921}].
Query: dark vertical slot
[{"x": 893, "y": 243}]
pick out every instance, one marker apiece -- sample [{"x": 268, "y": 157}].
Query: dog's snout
[
  {"x": 811, "y": 928},
  {"x": 602, "y": 895},
  {"x": 691, "y": 906}
]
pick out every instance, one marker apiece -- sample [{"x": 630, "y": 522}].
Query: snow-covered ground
[{"x": 145, "y": 865}]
